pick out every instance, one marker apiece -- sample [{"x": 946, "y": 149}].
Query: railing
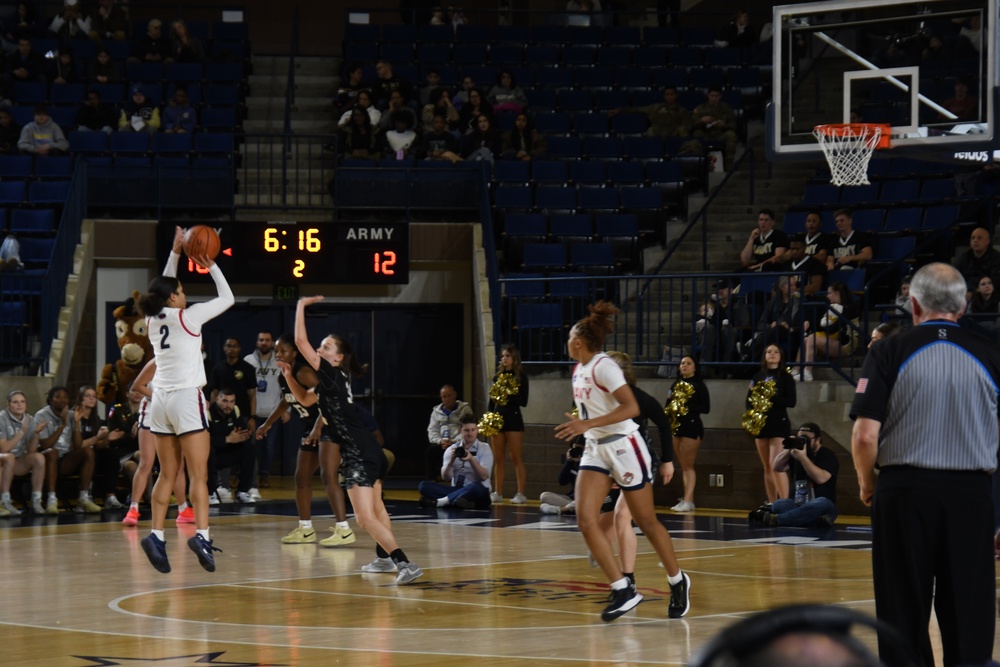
[
  {"x": 282, "y": 170},
  {"x": 42, "y": 293}
]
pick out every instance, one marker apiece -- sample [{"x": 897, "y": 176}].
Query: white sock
[
  {"x": 159, "y": 535},
  {"x": 306, "y": 525},
  {"x": 675, "y": 579},
  {"x": 183, "y": 506},
  {"x": 443, "y": 502},
  {"x": 134, "y": 506},
  {"x": 36, "y": 495},
  {"x": 5, "y": 497},
  {"x": 343, "y": 524},
  {"x": 111, "y": 496},
  {"x": 620, "y": 584},
  {"x": 52, "y": 496},
  {"x": 84, "y": 495},
  {"x": 203, "y": 533}
]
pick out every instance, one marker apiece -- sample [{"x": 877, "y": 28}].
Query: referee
[{"x": 926, "y": 411}]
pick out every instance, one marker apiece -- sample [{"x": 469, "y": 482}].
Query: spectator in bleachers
[
  {"x": 483, "y": 142},
  {"x": 523, "y": 142},
  {"x": 477, "y": 106},
  {"x": 24, "y": 23},
  {"x": 152, "y": 47},
  {"x": 401, "y": 138},
  {"x": 397, "y": 103},
  {"x": 506, "y": 95},
  {"x": 935, "y": 50},
  {"x": 456, "y": 16},
  {"x": 739, "y": 33},
  {"x": 363, "y": 100},
  {"x": 139, "y": 114},
  {"x": 462, "y": 96},
  {"x": 387, "y": 82},
  {"x": 765, "y": 245},
  {"x": 850, "y": 249},
  {"x": 185, "y": 48},
  {"x": 180, "y": 116},
  {"x": 985, "y": 303},
  {"x": 727, "y": 322},
  {"x": 837, "y": 334},
  {"x": 438, "y": 17},
  {"x": 359, "y": 139},
  {"x": 62, "y": 68},
  {"x": 981, "y": 259},
  {"x": 94, "y": 115},
  {"x": 778, "y": 324},
  {"x": 351, "y": 86},
  {"x": 111, "y": 22},
  {"x": 433, "y": 83},
  {"x": 72, "y": 22},
  {"x": 19, "y": 439},
  {"x": 440, "y": 102},
  {"x": 972, "y": 33},
  {"x": 817, "y": 241},
  {"x": 715, "y": 121},
  {"x": 103, "y": 69},
  {"x": 812, "y": 270},
  {"x": 666, "y": 118},
  {"x": 437, "y": 143},
  {"x": 42, "y": 136},
  {"x": 10, "y": 133},
  {"x": 963, "y": 105},
  {"x": 24, "y": 64}
]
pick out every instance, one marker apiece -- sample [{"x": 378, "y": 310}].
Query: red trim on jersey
[
  {"x": 180, "y": 318},
  {"x": 638, "y": 455},
  {"x": 593, "y": 374}
]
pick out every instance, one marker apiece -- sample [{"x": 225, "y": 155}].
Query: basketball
[{"x": 202, "y": 240}]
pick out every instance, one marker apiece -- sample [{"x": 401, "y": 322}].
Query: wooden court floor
[{"x": 501, "y": 587}]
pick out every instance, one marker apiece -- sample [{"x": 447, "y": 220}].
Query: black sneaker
[
  {"x": 203, "y": 549},
  {"x": 156, "y": 552},
  {"x": 680, "y": 597},
  {"x": 465, "y": 504},
  {"x": 622, "y": 601},
  {"x": 427, "y": 503},
  {"x": 756, "y": 516}
]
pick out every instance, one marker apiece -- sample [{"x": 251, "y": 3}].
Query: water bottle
[
  {"x": 446, "y": 432},
  {"x": 801, "y": 492}
]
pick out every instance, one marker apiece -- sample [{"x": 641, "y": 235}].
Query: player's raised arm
[{"x": 306, "y": 349}]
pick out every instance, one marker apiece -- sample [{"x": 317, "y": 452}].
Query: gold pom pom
[
  {"x": 490, "y": 423},
  {"x": 505, "y": 386},
  {"x": 753, "y": 420},
  {"x": 677, "y": 406}
]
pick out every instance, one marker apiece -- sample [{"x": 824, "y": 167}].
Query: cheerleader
[
  {"x": 178, "y": 416},
  {"x": 615, "y": 452},
  {"x": 316, "y": 451},
  {"x": 776, "y": 427},
  {"x": 512, "y": 433},
  {"x": 363, "y": 463},
  {"x": 690, "y": 431}
]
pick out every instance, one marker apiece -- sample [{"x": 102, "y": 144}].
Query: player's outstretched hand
[
  {"x": 178, "y": 240},
  {"x": 203, "y": 261},
  {"x": 310, "y": 300}
]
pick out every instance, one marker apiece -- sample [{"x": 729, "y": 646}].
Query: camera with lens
[
  {"x": 576, "y": 451},
  {"x": 795, "y": 442},
  {"x": 460, "y": 452}
]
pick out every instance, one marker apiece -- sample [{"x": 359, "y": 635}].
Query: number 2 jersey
[
  {"x": 594, "y": 384},
  {"x": 176, "y": 334}
]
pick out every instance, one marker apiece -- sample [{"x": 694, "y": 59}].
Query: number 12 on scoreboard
[{"x": 384, "y": 261}]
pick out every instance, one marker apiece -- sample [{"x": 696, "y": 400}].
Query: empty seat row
[
  {"x": 885, "y": 220},
  {"x": 565, "y": 99},
  {"x": 594, "y": 172},
  {"x": 545, "y": 197},
  {"x": 217, "y": 94},
  {"x": 27, "y": 166},
  {"x": 885, "y": 192},
  {"x": 617, "y": 148},
  {"x": 141, "y": 142},
  {"x": 33, "y": 192},
  {"x": 31, "y": 221}
]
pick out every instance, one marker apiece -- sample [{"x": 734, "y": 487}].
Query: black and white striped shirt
[{"x": 936, "y": 391}]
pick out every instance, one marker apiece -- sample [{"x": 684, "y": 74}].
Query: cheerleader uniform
[
  {"x": 689, "y": 425},
  {"x": 511, "y": 412},
  {"x": 777, "y": 424}
]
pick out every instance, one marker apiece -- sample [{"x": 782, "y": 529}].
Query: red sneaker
[
  {"x": 187, "y": 516},
  {"x": 132, "y": 518}
]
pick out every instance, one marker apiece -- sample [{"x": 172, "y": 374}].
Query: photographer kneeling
[
  {"x": 813, "y": 488},
  {"x": 467, "y": 464}
]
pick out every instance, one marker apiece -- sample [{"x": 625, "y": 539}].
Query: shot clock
[{"x": 283, "y": 252}]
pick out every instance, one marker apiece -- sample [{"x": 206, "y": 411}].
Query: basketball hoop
[{"x": 848, "y": 148}]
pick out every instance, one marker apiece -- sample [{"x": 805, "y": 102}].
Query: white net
[{"x": 848, "y": 149}]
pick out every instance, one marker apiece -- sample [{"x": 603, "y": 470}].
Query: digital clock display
[{"x": 284, "y": 252}]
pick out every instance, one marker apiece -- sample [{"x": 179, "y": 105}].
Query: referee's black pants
[{"x": 932, "y": 542}]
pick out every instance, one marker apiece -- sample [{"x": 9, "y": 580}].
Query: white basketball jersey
[
  {"x": 177, "y": 346},
  {"x": 594, "y": 385}
]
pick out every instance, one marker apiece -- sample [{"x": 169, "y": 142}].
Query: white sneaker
[
  {"x": 683, "y": 506},
  {"x": 36, "y": 506},
  {"x": 545, "y": 508},
  {"x": 496, "y": 497},
  {"x": 379, "y": 565},
  {"x": 245, "y": 498},
  {"x": 408, "y": 572},
  {"x": 254, "y": 493},
  {"x": 225, "y": 495},
  {"x": 112, "y": 503},
  {"x": 519, "y": 499},
  {"x": 213, "y": 498},
  {"x": 9, "y": 506}
]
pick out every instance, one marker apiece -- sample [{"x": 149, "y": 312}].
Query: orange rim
[{"x": 857, "y": 129}]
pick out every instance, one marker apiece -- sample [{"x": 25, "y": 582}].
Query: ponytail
[{"x": 157, "y": 294}]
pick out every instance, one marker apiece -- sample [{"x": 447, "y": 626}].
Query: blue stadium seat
[
  {"x": 821, "y": 194},
  {"x": 145, "y": 72},
  {"x": 223, "y": 72},
  {"x": 555, "y": 77},
  {"x": 895, "y": 249},
  {"x": 564, "y": 147},
  {"x": 197, "y": 28},
  {"x": 132, "y": 161},
  {"x": 171, "y": 162},
  {"x": 898, "y": 191},
  {"x": 941, "y": 217},
  {"x": 511, "y": 34},
  {"x": 615, "y": 56},
  {"x": 69, "y": 94},
  {"x": 549, "y": 171},
  {"x": 521, "y": 229},
  {"x": 533, "y": 286},
  {"x": 591, "y": 172},
  {"x": 639, "y": 198},
  {"x": 853, "y": 280},
  {"x": 555, "y": 198},
  {"x": 22, "y": 115},
  {"x": 362, "y": 32},
  {"x": 88, "y": 142},
  {"x": 548, "y": 34},
  {"x": 82, "y": 48},
  {"x": 593, "y": 257},
  {"x": 794, "y": 223},
  {"x": 118, "y": 50},
  {"x": 594, "y": 78},
  {"x": 859, "y": 194},
  {"x": 570, "y": 228},
  {"x": 706, "y": 77},
  {"x": 650, "y": 57},
  {"x": 48, "y": 192},
  {"x": 230, "y": 30},
  {"x": 506, "y": 54},
  {"x": 111, "y": 93},
  {"x": 723, "y": 57},
  {"x": 590, "y": 123},
  {"x": 687, "y": 56},
  {"x": 435, "y": 34},
  {"x": 54, "y": 166},
  {"x": 605, "y": 100},
  {"x": 623, "y": 35},
  {"x": 643, "y": 148},
  {"x": 361, "y": 52},
  {"x": 542, "y": 256},
  {"x": 629, "y": 123},
  {"x": 25, "y": 92},
  {"x": 576, "y": 100},
  {"x": 171, "y": 143},
  {"x": 32, "y": 221},
  {"x": 902, "y": 219},
  {"x": 624, "y": 172},
  {"x": 396, "y": 52},
  {"x": 219, "y": 95},
  {"x": 698, "y": 35},
  {"x": 215, "y": 142},
  {"x": 510, "y": 196},
  {"x": 64, "y": 117},
  {"x": 36, "y": 253},
  {"x": 516, "y": 171},
  {"x": 603, "y": 148},
  {"x": 865, "y": 220},
  {"x": 434, "y": 53},
  {"x": 218, "y": 119},
  {"x": 633, "y": 77},
  {"x": 590, "y": 34},
  {"x": 664, "y": 172},
  {"x": 621, "y": 232},
  {"x": 669, "y": 76},
  {"x": 552, "y": 122},
  {"x": 937, "y": 188},
  {"x": 542, "y": 99},
  {"x": 579, "y": 56},
  {"x": 604, "y": 199},
  {"x": 15, "y": 166},
  {"x": 184, "y": 72},
  {"x": 667, "y": 36},
  {"x": 12, "y": 192},
  {"x": 469, "y": 54},
  {"x": 473, "y": 33},
  {"x": 129, "y": 143}
]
